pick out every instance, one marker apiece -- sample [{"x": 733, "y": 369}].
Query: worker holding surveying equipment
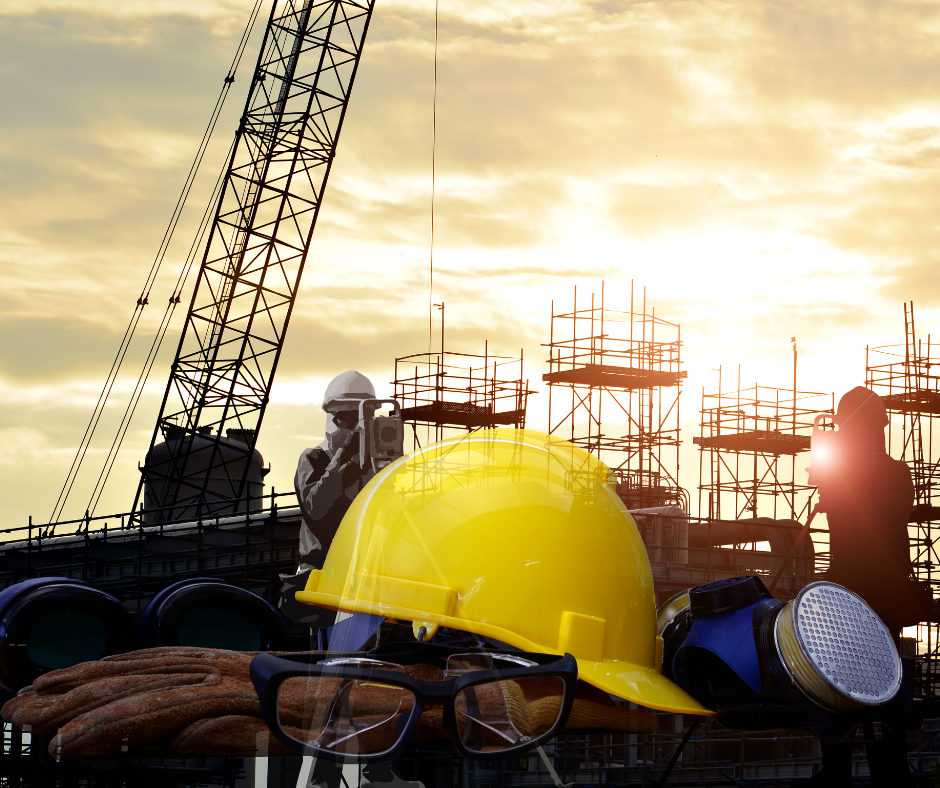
[
  {"x": 329, "y": 476},
  {"x": 867, "y": 497},
  {"x": 357, "y": 445}
]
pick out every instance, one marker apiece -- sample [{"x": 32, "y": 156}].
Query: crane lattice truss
[{"x": 280, "y": 161}]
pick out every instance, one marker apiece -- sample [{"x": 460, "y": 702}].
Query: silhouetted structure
[
  {"x": 749, "y": 441},
  {"x": 620, "y": 371},
  {"x": 254, "y": 258},
  {"x": 905, "y": 378},
  {"x": 867, "y": 498},
  {"x": 445, "y": 393}
]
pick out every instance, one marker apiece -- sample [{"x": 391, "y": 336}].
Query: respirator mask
[
  {"x": 761, "y": 663},
  {"x": 336, "y": 436}
]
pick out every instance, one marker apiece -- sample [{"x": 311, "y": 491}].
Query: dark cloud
[
  {"x": 648, "y": 210},
  {"x": 526, "y": 271},
  {"x": 814, "y": 324},
  {"x": 314, "y": 348},
  {"x": 317, "y": 349},
  {"x": 919, "y": 280},
  {"x": 99, "y": 133},
  {"x": 916, "y": 148},
  {"x": 853, "y": 57}
]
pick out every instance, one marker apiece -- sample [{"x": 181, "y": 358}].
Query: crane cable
[
  {"x": 174, "y": 299},
  {"x": 143, "y": 300},
  {"x": 433, "y": 185},
  {"x": 156, "y": 344}
]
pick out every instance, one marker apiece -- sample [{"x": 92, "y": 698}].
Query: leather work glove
[
  {"x": 169, "y": 699},
  {"x": 201, "y": 701},
  {"x": 134, "y": 702}
]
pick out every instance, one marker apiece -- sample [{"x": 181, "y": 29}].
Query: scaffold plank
[
  {"x": 924, "y": 512},
  {"x": 922, "y": 401},
  {"x": 762, "y": 441},
  {"x": 615, "y": 377},
  {"x": 461, "y": 414}
]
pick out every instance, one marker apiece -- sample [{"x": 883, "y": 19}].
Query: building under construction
[
  {"x": 614, "y": 380},
  {"x": 749, "y": 443},
  {"x": 905, "y": 377},
  {"x": 752, "y": 503},
  {"x": 446, "y": 392},
  {"x": 614, "y": 384},
  {"x": 750, "y": 511}
]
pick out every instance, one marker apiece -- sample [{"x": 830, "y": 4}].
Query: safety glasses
[{"x": 364, "y": 707}]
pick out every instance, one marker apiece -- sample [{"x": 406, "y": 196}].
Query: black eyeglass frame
[{"x": 268, "y": 672}]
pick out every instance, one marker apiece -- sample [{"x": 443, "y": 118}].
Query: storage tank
[{"x": 228, "y": 468}]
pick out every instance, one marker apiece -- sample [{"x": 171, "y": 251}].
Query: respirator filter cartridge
[{"x": 836, "y": 650}]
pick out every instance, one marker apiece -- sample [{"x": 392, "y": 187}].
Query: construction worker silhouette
[
  {"x": 867, "y": 497},
  {"x": 328, "y": 476}
]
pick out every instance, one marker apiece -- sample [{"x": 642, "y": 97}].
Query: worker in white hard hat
[
  {"x": 327, "y": 480},
  {"x": 329, "y": 476}
]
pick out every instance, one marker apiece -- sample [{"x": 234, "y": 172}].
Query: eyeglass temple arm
[{"x": 551, "y": 769}]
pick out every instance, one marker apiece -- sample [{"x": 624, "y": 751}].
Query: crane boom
[{"x": 241, "y": 306}]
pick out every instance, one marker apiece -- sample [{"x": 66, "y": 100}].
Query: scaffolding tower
[
  {"x": 905, "y": 378},
  {"x": 748, "y": 445},
  {"x": 444, "y": 393},
  {"x": 624, "y": 367}
]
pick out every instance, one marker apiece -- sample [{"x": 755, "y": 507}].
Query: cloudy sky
[{"x": 764, "y": 169}]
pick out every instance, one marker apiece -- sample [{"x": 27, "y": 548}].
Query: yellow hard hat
[{"x": 513, "y": 535}]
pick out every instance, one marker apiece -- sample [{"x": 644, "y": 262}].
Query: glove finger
[
  {"x": 430, "y": 726},
  {"x": 50, "y": 712},
  {"x": 133, "y": 723},
  {"x": 222, "y": 663},
  {"x": 230, "y": 735},
  {"x": 586, "y": 714},
  {"x": 425, "y": 672},
  {"x": 24, "y": 696}
]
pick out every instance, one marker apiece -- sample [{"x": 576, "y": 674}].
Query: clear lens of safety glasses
[
  {"x": 499, "y": 715},
  {"x": 348, "y": 717}
]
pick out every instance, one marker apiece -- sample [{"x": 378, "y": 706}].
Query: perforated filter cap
[{"x": 845, "y": 644}]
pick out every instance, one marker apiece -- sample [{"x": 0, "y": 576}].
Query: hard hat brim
[
  {"x": 626, "y": 680},
  {"x": 643, "y": 686}
]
